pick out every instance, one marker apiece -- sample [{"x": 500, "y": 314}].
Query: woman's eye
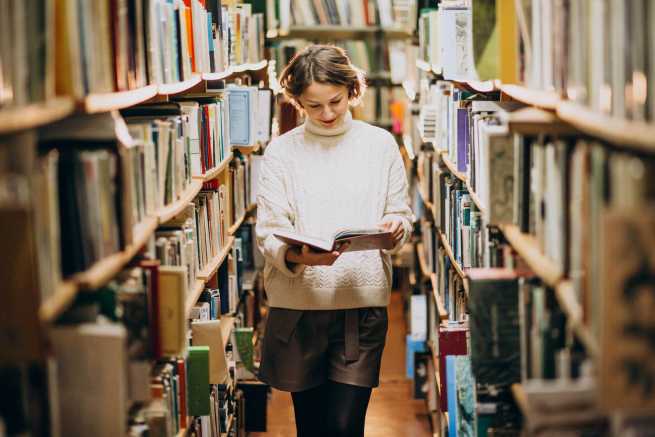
[
  {"x": 336, "y": 102},
  {"x": 314, "y": 106}
]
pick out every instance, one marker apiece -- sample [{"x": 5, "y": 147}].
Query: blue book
[
  {"x": 239, "y": 107},
  {"x": 451, "y": 389},
  {"x": 462, "y": 139}
]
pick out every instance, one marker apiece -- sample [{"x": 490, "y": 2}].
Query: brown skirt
[{"x": 303, "y": 349}]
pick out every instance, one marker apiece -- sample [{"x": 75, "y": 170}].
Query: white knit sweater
[{"x": 315, "y": 181}]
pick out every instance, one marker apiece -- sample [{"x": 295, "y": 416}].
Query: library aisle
[{"x": 392, "y": 410}]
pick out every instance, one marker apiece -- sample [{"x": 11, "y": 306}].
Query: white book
[{"x": 91, "y": 378}]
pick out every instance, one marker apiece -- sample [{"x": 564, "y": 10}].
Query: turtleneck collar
[{"x": 319, "y": 130}]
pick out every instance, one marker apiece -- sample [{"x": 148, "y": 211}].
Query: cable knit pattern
[{"x": 316, "y": 181}]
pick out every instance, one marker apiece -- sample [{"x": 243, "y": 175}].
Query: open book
[{"x": 360, "y": 239}]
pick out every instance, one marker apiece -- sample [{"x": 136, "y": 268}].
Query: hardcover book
[{"x": 359, "y": 239}]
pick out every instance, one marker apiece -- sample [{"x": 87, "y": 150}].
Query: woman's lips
[{"x": 329, "y": 121}]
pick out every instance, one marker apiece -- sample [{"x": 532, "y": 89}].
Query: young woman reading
[{"x": 327, "y": 323}]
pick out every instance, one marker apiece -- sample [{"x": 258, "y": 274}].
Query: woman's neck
[{"x": 316, "y": 129}]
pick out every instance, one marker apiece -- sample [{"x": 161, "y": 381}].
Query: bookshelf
[
  {"x": 535, "y": 121},
  {"x": 449, "y": 251},
  {"x": 425, "y": 270},
  {"x": 214, "y": 172},
  {"x": 635, "y": 135},
  {"x": 248, "y": 149},
  {"x": 521, "y": 400},
  {"x": 528, "y": 248},
  {"x": 236, "y": 69},
  {"x": 179, "y": 87},
  {"x": 56, "y": 304},
  {"x": 462, "y": 177},
  {"x": 216, "y": 262},
  {"x": 193, "y": 296},
  {"x": 540, "y": 99},
  {"x": 443, "y": 314},
  {"x": 95, "y": 103},
  {"x": 565, "y": 294},
  {"x": 104, "y": 270},
  {"x": 235, "y": 227},
  {"x": 35, "y": 114},
  {"x": 227, "y": 324},
  {"x": 169, "y": 212},
  {"x": 331, "y": 32}
]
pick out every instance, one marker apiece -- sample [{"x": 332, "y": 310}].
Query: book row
[
  {"x": 384, "y": 13},
  {"x": 542, "y": 216},
  {"x": 102, "y": 186},
  {"x": 102, "y": 47},
  {"x": 597, "y": 53},
  {"x": 130, "y": 360}
]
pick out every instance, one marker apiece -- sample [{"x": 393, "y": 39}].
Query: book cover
[
  {"x": 172, "y": 294},
  {"x": 494, "y": 325},
  {"x": 198, "y": 402}
]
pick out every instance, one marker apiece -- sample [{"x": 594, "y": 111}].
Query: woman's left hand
[{"x": 395, "y": 226}]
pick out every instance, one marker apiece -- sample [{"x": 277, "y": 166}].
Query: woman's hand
[
  {"x": 395, "y": 226},
  {"x": 308, "y": 257}
]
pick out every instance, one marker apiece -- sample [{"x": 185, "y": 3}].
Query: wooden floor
[{"x": 392, "y": 411}]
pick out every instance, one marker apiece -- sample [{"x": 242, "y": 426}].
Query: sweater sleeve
[
  {"x": 397, "y": 203},
  {"x": 274, "y": 213}
]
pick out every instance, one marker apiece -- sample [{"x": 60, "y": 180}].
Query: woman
[{"x": 327, "y": 324}]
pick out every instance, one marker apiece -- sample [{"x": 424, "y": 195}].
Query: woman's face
[{"x": 325, "y": 104}]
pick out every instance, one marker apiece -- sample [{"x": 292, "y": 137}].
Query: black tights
[{"x": 331, "y": 410}]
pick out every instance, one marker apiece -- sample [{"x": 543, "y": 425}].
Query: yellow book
[
  {"x": 172, "y": 295},
  {"x": 508, "y": 32}
]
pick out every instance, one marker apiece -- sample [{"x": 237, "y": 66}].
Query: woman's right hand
[{"x": 308, "y": 257}]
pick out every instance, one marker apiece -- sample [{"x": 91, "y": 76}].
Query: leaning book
[{"x": 359, "y": 239}]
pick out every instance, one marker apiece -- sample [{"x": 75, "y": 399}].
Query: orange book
[{"x": 189, "y": 33}]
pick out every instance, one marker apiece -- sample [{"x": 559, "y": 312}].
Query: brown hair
[{"x": 323, "y": 64}]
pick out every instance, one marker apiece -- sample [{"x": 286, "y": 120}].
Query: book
[{"x": 359, "y": 239}]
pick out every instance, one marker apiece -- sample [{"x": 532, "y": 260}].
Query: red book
[
  {"x": 152, "y": 266},
  {"x": 181, "y": 372},
  {"x": 452, "y": 341}
]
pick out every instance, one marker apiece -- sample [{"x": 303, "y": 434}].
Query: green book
[{"x": 198, "y": 381}]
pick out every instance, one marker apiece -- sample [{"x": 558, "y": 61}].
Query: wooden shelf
[
  {"x": 528, "y": 248},
  {"x": 423, "y": 65},
  {"x": 541, "y": 99},
  {"x": 226, "y": 325},
  {"x": 104, "y": 270},
  {"x": 214, "y": 172},
  {"x": 247, "y": 149},
  {"x": 451, "y": 255},
  {"x": 441, "y": 309},
  {"x": 234, "y": 69},
  {"x": 215, "y": 263},
  {"x": 56, "y": 304},
  {"x": 565, "y": 295},
  {"x": 338, "y": 32},
  {"x": 175, "y": 208},
  {"x": 256, "y": 66},
  {"x": 452, "y": 169},
  {"x": 535, "y": 121},
  {"x": 179, "y": 87},
  {"x": 425, "y": 270},
  {"x": 35, "y": 114},
  {"x": 193, "y": 296},
  {"x": 110, "y": 101},
  {"x": 487, "y": 86},
  {"x": 520, "y": 398},
  {"x": 635, "y": 135},
  {"x": 235, "y": 227}
]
